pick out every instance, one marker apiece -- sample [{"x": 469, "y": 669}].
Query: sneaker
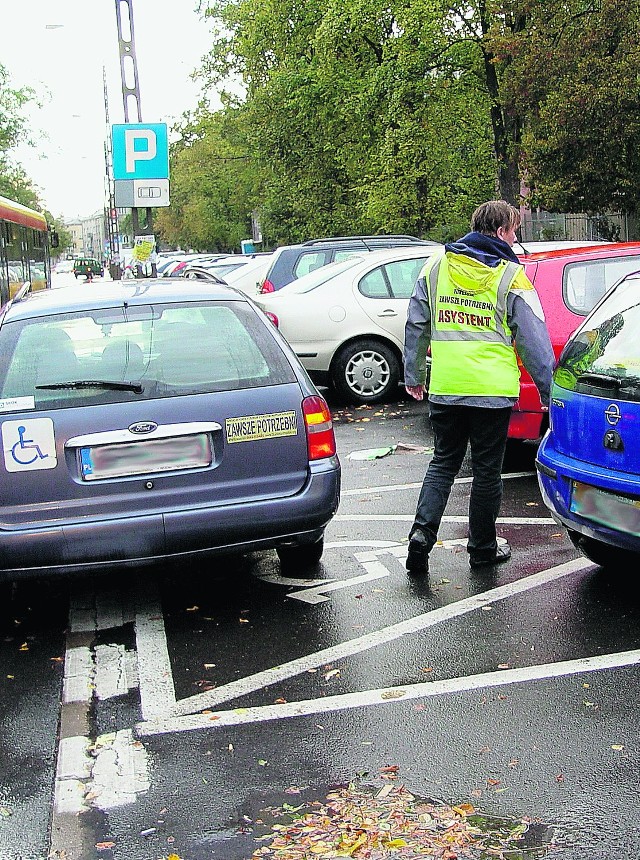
[
  {"x": 418, "y": 553},
  {"x": 502, "y": 553}
]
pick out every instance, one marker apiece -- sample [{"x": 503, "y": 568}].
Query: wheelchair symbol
[{"x": 25, "y": 451}]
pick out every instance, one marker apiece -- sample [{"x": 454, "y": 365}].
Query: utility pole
[
  {"x": 111, "y": 214},
  {"x": 131, "y": 94}
]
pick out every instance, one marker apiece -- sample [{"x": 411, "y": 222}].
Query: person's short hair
[{"x": 489, "y": 216}]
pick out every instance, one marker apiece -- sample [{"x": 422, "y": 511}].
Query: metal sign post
[{"x": 140, "y": 152}]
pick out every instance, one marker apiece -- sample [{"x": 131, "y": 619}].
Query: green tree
[
  {"x": 580, "y": 82},
  {"x": 211, "y": 185},
  {"x": 362, "y": 117},
  {"x": 14, "y": 182}
]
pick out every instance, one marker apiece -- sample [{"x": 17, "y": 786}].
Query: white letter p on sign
[{"x": 133, "y": 155}]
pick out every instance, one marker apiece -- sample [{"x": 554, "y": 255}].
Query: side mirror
[{"x": 55, "y": 239}]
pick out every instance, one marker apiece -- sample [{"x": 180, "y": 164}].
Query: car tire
[
  {"x": 301, "y": 555},
  {"x": 600, "y": 553},
  {"x": 365, "y": 371}
]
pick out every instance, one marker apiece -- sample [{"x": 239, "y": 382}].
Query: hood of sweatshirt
[{"x": 488, "y": 250}]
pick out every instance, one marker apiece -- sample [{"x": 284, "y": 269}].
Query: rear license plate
[
  {"x": 608, "y": 509},
  {"x": 153, "y": 455}
]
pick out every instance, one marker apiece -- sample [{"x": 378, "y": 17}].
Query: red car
[{"x": 569, "y": 282}]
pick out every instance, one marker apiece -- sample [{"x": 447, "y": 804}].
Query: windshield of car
[
  {"x": 320, "y": 276},
  {"x": 603, "y": 357},
  {"x": 140, "y": 352}
]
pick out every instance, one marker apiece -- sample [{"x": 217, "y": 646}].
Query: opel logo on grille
[
  {"x": 612, "y": 414},
  {"x": 143, "y": 427}
]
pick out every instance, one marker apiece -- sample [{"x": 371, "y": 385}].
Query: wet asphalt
[{"x": 473, "y": 684}]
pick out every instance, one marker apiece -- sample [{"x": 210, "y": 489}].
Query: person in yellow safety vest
[{"x": 469, "y": 305}]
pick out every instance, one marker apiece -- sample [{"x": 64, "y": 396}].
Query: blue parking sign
[{"x": 140, "y": 151}]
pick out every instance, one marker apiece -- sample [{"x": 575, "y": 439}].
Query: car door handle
[{"x": 388, "y": 313}]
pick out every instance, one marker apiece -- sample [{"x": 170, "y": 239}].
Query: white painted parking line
[
  {"x": 116, "y": 671},
  {"x": 409, "y": 518},
  {"x": 90, "y": 611},
  {"x": 259, "y": 680},
  {"x": 120, "y": 770},
  {"x": 78, "y": 675},
  {"x": 416, "y": 485},
  {"x": 504, "y": 477},
  {"x": 110, "y": 772},
  {"x": 318, "y": 594},
  {"x": 157, "y": 691},
  {"x": 379, "y": 544},
  {"x": 390, "y": 695},
  {"x": 275, "y": 579},
  {"x": 112, "y": 769}
]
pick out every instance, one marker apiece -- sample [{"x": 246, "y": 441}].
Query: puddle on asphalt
[{"x": 342, "y": 820}]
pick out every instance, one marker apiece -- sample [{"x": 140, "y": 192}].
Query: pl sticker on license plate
[{"x": 249, "y": 428}]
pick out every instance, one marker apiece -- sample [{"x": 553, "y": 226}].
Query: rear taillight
[
  {"x": 320, "y": 437},
  {"x": 267, "y": 287},
  {"x": 178, "y": 268},
  {"x": 272, "y": 318}
]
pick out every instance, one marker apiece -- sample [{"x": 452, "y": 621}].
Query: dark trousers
[{"x": 485, "y": 431}]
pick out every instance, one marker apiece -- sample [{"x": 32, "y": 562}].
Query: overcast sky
[{"x": 64, "y": 65}]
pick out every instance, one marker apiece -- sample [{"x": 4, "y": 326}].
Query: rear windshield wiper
[
  {"x": 95, "y": 383},
  {"x": 605, "y": 380},
  {"x": 600, "y": 380}
]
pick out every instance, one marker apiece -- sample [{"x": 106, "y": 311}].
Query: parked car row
[
  {"x": 345, "y": 320},
  {"x": 206, "y": 434},
  {"x": 243, "y": 272},
  {"x": 291, "y": 262},
  {"x": 341, "y": 302},
  {"x": 269, "y": 272}
]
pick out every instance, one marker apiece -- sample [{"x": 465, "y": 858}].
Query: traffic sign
[
  {"x": 129, "y": 193},
  {"x": 140, "y": 151}
]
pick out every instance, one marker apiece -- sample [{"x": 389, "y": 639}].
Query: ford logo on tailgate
[{"x": 143, "y": 427}]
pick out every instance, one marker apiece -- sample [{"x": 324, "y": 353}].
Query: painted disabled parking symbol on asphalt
[{"x": 29, "y": 445}]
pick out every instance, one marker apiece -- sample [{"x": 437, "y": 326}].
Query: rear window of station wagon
[{"x": 138, "y": 352}]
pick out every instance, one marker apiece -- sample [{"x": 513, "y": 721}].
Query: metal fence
[{"x": 578, "y": 227}]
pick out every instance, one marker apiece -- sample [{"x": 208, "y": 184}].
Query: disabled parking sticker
[
  {"x": 29, "y": 445},
  {"x": 248, "y": 428}
]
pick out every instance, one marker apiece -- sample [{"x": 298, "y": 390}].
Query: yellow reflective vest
[{"x": 471, "y": 344}]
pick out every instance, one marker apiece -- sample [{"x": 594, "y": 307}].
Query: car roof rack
[{"x": 362, "y": 239}]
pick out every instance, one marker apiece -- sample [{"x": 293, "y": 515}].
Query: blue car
[
  {"x": 589, "y": 462},
  {"x": 139, "y": 423}
]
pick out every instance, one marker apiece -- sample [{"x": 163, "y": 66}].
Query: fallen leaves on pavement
[{"x": 364, "y": 822}]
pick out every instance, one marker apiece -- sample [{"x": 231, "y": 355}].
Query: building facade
[{"x": 88, "y": 236}]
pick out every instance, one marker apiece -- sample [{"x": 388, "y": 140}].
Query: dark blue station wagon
[{"x": 138, "y": 425}]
